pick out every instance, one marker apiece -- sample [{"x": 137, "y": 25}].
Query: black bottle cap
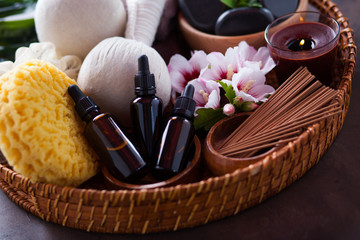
[
  {"x": 144, "y": 80},
  {"x": 84, "y": 105},
  {"x": 185, "y": 104}
]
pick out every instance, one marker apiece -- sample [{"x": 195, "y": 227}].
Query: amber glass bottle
[
  {"x": 146, "y": 110},
  {"x": 118, "y": 154},
  {"x": 177, "y": 137}
]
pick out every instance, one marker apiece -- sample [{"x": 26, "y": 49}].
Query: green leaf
[
  {"x": 229, "y": 91},
  {"x": 254, "y": 3},
  {"x": 229, "y": 3},
  {"x": 207, "y": 117},
  {"x": 17, "y": 26},
  {"x": 242, "y": 3}
]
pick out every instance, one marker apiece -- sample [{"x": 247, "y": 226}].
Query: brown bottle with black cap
[
  {"x": 146, "y": 110},
  {"x": 177, "y": 137},
  {"x": 118, "y": 154}
]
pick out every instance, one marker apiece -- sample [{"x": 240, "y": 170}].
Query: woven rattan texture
[{"x": 183, "y": 206}]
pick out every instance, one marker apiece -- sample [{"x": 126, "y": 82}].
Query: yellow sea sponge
[{"x": 41, "y": 135}]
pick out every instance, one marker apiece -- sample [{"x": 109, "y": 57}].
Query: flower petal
[
  {"x": 253, "y": 65},
  {"x": 231, "y": 58},
  {"x": 250, "y": 85},
  {"x": 182, "y": 71},
  {"x": 198, "y": 60},
  {"x": 178, "y": 63},
  {"x": 214, "y": 100},
  {"x": 206, "y": 93},
  {"x": 217, "y": 70},
  {"x": 178, "y": 82},
  {"x": 260, "y": 91},
  {"x": 249, "y": 53},
  {"x": 198, "y": 97},
  {"x": 246, "y": 97},
  {"x": 245, "y": 52},
  {"x": 263, "y": 56}
]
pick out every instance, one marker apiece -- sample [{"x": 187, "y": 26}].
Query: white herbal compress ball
[
  {"x": 107, "y": 75},
  {"x": 75, "y": 27}
]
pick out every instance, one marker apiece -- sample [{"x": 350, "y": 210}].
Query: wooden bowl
[
  {"x": 219, "y": 164},
  {"x": 199, "y": 40},
  {"x": 192, "y": 173}
]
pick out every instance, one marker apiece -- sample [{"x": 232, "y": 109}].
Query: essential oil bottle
[
  {"x": 119, "y": 155},
  {"x": 177, "y": 137},
  {"x": 146, "y": 110}
]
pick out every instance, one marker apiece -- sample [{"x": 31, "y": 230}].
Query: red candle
[{"x": 307, "y": 43}]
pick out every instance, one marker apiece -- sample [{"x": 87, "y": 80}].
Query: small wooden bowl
[
  {"x": 219, "y": 164},
  {"x": 199, "y": 40},
  {"x": 192, "y": 173}
]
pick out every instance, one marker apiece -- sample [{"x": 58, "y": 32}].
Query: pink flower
[
  {"x": 247, "y": 56},
  {"x": 225, "y": 66},
  {"x": 242, "y": 69},
  {"x": 182, "y": 71},
  {"x": 206, "y": 94},
  {"x": 229, "y": 109},
  {"x": 221, "y": 66},
  {"x": 249, "y": 84}
]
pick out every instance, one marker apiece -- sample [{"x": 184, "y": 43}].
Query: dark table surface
[{"x": 323, "y": 204}]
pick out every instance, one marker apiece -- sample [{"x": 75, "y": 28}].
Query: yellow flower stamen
[
  {"x": 247, "y": 86},
  {"x": 230, "y": 72},
  {"x": 204, "y": 95}
]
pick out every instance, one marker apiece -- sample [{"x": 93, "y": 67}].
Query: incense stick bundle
[{"x": 297, "y": 103}]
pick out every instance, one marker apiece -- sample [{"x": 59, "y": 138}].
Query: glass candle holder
[{"x": 310, "y": 40}]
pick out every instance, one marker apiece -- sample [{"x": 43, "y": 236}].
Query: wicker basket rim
[{"x": 249, "y": 170}]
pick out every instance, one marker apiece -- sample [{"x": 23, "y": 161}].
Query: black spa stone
[
  {"x": 280, "y": 7},
  {"x": 202, "y": 14},
  {"x": 245, "y": 20}
]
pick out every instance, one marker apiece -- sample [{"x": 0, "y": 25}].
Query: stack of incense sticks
[{"x": 299, "y": 102}]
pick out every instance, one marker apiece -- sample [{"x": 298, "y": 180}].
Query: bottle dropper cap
[
  {"x": 185, "y": 104},
  {"x": 84, "y": 105},
  {"x": 144, "y": 80}
]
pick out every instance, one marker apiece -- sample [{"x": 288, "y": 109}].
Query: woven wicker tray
[{"x": 183, "y": 206}]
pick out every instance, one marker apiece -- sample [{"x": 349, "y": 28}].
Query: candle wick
[{"x": 302, "y": 42}]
